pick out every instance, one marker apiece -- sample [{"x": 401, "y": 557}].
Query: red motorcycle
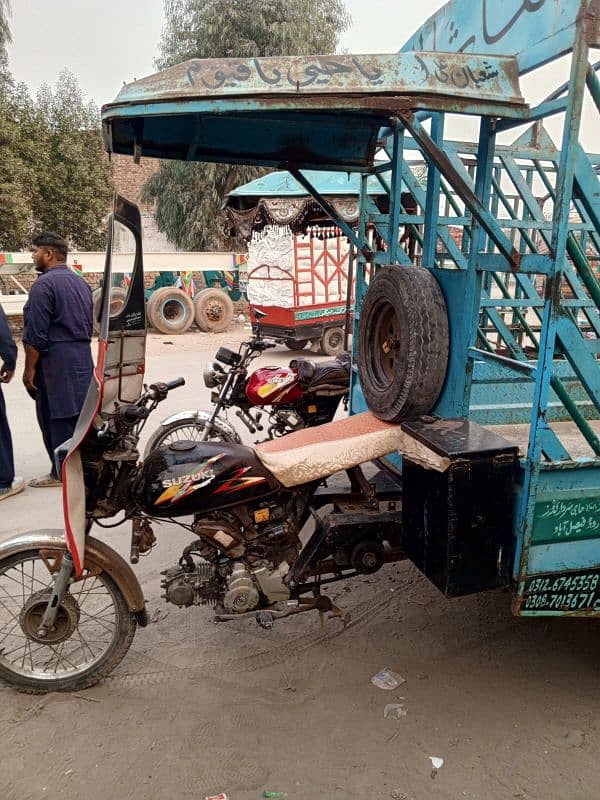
[{"x": 302, "y": 395}]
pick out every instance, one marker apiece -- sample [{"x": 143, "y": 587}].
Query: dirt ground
[{"x": 195, "y": 709}]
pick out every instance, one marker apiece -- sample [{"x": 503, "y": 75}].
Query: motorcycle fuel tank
[
  {"x": 185, "y": 477},
  {"x": 273, "y": 386}
]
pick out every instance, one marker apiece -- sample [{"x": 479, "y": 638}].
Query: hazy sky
[{"x": 106, "y": 42}]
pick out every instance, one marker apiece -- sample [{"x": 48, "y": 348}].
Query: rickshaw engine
[
  {"x": 184, "y": 587},
  {"x": 238, "y": 591}
]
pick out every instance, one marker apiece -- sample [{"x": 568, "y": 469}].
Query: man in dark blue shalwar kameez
[
  {"x": 9, "y": 484},
  {"x": 57, "y": 335}
]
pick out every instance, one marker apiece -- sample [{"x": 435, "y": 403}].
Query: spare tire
[
  {"x": 170, "y": 310},
  {"x": 403, "y": 343},
  {"x": 118, "y": 296},
  {"x": 213, "y": 310}
]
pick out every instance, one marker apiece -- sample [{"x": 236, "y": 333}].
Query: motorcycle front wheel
[
  {"x": 92, "y": 632},
  {"x": 183, "y": 430}
]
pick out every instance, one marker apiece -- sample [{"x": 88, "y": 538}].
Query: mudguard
[
  {"x": 118, "y": 376},
  {"x": 97, "y": 554},
  {"x": 193, "y": 416}
]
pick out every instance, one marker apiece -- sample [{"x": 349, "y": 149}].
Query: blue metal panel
[
  {"x": 573, "y": 493},
  {"x": 563, "y": 557},
  {"x": 564, "y": 186},
  {"x": 283, "y": 184},
  {"x": 536, "y": 31},
  {"x": 501, "y": 396}
]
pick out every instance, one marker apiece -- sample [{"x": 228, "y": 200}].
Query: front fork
[
  {"x": 61, "y": 583},
  {"x": 209, "y": 424},
  {"x": 253, "y": 425}
]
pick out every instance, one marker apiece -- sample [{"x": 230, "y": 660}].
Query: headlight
[{"x": 213, "y": 375}]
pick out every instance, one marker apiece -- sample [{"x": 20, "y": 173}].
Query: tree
[
  {"x": 19, "y": 129},
  {"x": 245, "y": 28},
  {"x": 54, "y": 174},
  {"x": 5, "y": 37},
  {"x": 74, "y": 182},
  {"x": 17, "y": 175},
  {"x": 189, "y": 196}
]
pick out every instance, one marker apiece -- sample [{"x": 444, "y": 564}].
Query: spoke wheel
[
  {"x": 183, "y": 431},
  {"x": 92, "y": 632}
]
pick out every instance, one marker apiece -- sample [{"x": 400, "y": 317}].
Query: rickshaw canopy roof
[
  {"x": 326, "y": 183},
  {"x": 316, "y": 111}
]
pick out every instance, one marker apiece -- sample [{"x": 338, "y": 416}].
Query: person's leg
[
  {"x": 7, "y": 465},
  {"x": 42, "y": 411},
  {"x": 60, "y": 431},
  {"x": 9, "y": 484}
]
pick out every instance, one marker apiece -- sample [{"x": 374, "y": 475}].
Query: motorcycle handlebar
[
  {"x": 133, "y": 414},
  {"x": 175, "y": 384},
  {"x": 260, "y": 344},
  {"x": 158, "y": 391}
]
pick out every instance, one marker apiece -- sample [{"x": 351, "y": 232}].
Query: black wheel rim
[
  {"x": 386, "y": 352},
  {"x": 335, "y": 339}
]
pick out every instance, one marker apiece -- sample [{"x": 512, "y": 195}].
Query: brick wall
[{"x": 129, "y": 179}]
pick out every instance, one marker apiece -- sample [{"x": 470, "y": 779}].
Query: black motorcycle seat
[{"x": 333, "y": 374}]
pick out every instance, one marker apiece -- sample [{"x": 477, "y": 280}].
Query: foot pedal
[{"x": 265, "y": 620}]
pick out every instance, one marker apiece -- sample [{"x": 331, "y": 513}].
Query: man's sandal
[
  {"x": 17, "y": 486},
  {"x": 44, "y": 482}
]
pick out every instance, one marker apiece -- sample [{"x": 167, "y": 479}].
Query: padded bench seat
[{"x": 315, "y": 453}]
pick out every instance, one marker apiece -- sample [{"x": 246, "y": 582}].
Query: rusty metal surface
[
  {"x": 591, "y": 23},
  {"x": 467, "y": 76},
  {"x": 98, "y": 556}
]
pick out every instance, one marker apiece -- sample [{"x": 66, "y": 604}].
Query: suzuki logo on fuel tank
[
  {"x": 175, "y": 489},
  {"x": 204, "y": 475}
]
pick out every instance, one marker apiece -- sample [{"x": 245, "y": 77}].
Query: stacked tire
[
  {"x": 117, "y": 301},
  {"x": 213, "y": 310},
  {"x": 170, "y": 310}
]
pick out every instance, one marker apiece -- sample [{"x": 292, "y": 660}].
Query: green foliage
[
  {"x": 53, "y": 173},
  {"x": 74, "y": 191},
  {"x": 18, "y": 166},
  {"x": 245, "y": 28},
  {"x": 189, "y": 196},
  {"x": 189, "y": 199}
]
